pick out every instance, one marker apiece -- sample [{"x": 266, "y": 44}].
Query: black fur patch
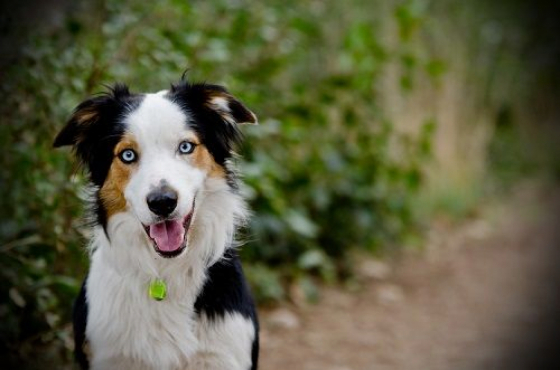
[{"x": 226, "y": 290}]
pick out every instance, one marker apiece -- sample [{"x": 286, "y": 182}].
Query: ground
[{"x": 482, "y": 294}]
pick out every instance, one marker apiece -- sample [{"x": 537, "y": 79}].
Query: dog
[{"x": 165, "y": 287}]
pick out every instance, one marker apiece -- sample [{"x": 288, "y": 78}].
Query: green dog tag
[{"x": 158, "y": 290}]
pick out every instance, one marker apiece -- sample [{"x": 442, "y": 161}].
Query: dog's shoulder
[
  {"x": 225, "y": 300},
  {"x": 226, "y": 290}
]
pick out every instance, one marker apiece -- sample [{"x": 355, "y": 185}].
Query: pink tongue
[{"x": 168, "y": 235}]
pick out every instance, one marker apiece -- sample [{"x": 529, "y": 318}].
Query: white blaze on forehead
[{"x": 157, "y": 121}]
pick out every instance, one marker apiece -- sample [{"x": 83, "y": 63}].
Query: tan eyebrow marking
[
  {"x": 201, "y": 158},
  {"x": 112, "y": 191}
]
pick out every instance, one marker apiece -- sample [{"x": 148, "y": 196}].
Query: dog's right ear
[
  {"x": 93, "y": 121},
  {"x": 82, "y": 120},
  {"x": 91, "y": 113}
]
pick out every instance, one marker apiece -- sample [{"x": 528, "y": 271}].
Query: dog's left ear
[{"x": 227, "y": 106}]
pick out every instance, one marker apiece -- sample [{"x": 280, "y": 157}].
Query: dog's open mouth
[{"x": 170, "y": 236}]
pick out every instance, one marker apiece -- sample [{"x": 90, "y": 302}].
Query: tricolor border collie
[{"x": 165, "y": 288}]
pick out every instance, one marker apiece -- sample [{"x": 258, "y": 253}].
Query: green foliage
[{"x": 326, "y": 171}]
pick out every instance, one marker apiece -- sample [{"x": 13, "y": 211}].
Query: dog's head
[{"x": 150, "y": 156}]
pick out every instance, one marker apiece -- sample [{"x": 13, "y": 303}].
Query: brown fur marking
[
  {"x": 86, "y": 116},
  {"x": 112, "y": 192},
  {"x": 202, "y": 159}
]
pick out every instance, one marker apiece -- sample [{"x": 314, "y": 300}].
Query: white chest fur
[{"x": 125, "y": 323}]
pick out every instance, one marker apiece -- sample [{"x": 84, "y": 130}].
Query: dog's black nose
[{"x": 162, "y": 201}]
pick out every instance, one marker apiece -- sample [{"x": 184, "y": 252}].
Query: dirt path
[{"x": 483, "y": 295}]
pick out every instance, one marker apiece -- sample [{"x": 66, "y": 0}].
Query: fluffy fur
[{"x": 134, "y": 146}]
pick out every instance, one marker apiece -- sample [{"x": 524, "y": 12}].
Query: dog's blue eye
[
  {"x": 186, "y": 147},
  {"x": 127, "y": 156}
]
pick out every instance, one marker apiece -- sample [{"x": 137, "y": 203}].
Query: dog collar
[{"x": 157, "y": 289}]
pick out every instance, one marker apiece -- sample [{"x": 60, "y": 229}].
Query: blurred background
[{"x": 395, "y": 138}]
